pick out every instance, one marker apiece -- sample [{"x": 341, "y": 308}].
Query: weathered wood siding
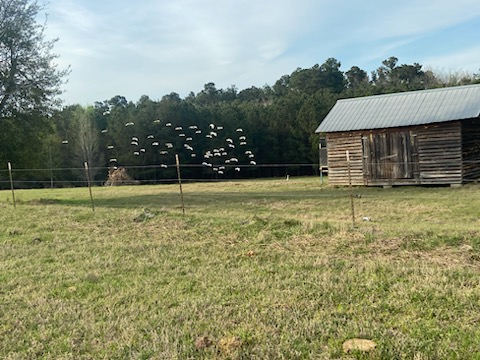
[
  {"x": 337, "y": 144},
  {"x": 429, "y": 154},
  {"x": 471, "y": 149},
  {"x": 390, "y": 156},
  {"x": 440, "y": 153}
]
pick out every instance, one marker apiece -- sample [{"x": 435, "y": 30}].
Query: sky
[{"x": 156, "y": 47}]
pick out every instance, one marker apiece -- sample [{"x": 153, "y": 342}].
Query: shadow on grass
[
  {"x": 210, "y": 197},
  {"x": 192, "y": 199}
]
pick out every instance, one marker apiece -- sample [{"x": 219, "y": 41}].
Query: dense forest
[{"x": 217, "y": 133}]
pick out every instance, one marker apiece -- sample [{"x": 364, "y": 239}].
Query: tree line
[
  {"x": 278, "y": 122},
  {"x": 273, "y": 124}
]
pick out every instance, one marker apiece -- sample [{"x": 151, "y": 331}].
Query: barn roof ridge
[
  {"x": 412, "y": 91},
  {"x": 403, "y": 109}
]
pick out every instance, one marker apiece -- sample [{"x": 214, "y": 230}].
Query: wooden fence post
[
  {"x": 87, "y": 174},
  {"x": 350, "y": 186},
  {"x": 11, "y": 185},
  {"x": 177, "y": 160}
]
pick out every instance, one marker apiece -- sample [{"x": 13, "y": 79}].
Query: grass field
[{"x": 264, "y": 269}]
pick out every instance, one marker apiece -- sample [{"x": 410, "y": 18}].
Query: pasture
[{"x": 265, "y": 269}]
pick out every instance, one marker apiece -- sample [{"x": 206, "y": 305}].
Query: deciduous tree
[{"x": 30, "y": 81}]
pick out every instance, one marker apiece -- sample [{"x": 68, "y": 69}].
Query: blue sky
[{"x": 155, "y": 47}]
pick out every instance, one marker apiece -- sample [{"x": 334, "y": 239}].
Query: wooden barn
[{"x": 411, "y": 138}]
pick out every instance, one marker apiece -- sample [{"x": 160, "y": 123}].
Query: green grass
[{"x": 255, "y": 270}]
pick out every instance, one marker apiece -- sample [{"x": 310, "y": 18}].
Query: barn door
[{"x": 390, "y": 155}]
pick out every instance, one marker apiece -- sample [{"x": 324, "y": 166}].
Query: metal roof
[{"x": 403, "y": 109}]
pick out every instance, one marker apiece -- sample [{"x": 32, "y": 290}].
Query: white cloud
[
  {"x": 155, "y": 47},
  {"x": 373, "y": 20},
  {"x": 466, "y": 60}
]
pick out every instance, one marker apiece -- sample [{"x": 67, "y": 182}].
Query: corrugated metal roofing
[{"x": 403, "y": 109}]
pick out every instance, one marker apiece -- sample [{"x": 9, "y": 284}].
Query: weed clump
[
  {"x": 203, "y": 342},
  {"x": 118, "y": 177},
  {"x": 145, "y": 215}
]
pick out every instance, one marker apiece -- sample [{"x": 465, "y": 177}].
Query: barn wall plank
[
  {"x": 440, "y": 153},
  {"x": 438, "y": 157},
  {"x": 337, "y": 144}
]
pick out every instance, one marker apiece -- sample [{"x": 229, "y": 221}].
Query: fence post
[
  {"x": 51, "y": 166},
  {"x": 177, "y": 160},
  {"x": 87, "y": 175},
  {"x": 320, "y": 162},
  {"x": 11, "y": 184},
  {"x": 350, "y": 186}
]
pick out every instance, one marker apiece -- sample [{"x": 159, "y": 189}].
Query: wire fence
[
  {"x": 166, "y": 173},
  {"x": 148, "y": 174},
  {"x": 360, "y": 199}
]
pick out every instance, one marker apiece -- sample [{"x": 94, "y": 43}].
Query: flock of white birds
[{"x": 223, "y": 153}]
